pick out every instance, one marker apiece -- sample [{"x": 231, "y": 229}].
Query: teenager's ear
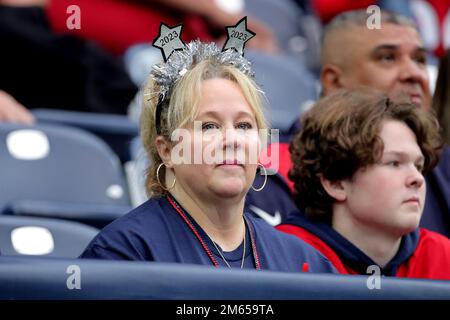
[
  {"x": 331, "y": 78},
  {"x": 164, "y": 149},
  {"x": 335, "y": 189}
]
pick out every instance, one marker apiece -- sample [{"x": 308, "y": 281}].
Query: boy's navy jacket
[
  {"x": 422, "y": 253},
  {"x": 156, "y": 231}
]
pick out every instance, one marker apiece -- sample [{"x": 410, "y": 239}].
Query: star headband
[{"x": 179, "y": 57}]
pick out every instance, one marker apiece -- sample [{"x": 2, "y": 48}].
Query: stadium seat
[
  {"x": 296, "y": 30},
  {"x": 95, "y": 215},
  {"x": 283, "y": 17},
  {"x": 288, "y": 86},
  {"x": 43, "y": 237},
  {"x": 116, "y": 130},
  {"x": 135, "y": 171},
  {"x": 59, "y": 171},
  {"x": 39, "y": 278}
]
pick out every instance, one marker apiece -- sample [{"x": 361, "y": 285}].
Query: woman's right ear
[{"x": 164, "y": 150}]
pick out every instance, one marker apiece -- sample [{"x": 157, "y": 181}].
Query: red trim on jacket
[{"x": 430, "y": 260}]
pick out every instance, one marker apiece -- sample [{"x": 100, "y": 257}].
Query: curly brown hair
[{"x": 340, "y": 135}]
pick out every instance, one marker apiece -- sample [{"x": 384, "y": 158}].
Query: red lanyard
[{"x": 202, "y": 242}]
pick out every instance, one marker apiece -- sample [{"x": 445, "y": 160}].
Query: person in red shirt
[
  {"x": 358, "y": 172},
  {"x": 127, "y": 23},
  {"x": 117, "y": 25}
]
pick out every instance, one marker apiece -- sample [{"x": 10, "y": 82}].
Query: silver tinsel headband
[{"x": 179, "y": 58}]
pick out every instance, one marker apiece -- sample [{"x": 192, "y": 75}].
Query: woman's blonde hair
[{"x": 181, "y": 108}]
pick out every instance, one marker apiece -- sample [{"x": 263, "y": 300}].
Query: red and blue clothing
[
  {"x": 422, "y": 253},
  {"x": 161, "y": 230},
  {"x": 276, "y": 198}
]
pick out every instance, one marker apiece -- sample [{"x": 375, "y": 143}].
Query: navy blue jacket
[
  {"x": 348, "y": 252},
  {"x": 155, "y": 231},
  {"x": 422, "y": 253}
]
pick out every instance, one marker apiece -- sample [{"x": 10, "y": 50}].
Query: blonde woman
[{"x": 201, "y": 115}]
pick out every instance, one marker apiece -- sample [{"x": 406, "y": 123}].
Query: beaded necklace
[{"x": 182, "y": 214}]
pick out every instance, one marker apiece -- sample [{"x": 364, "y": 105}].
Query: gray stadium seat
[
  {"x": 296, "y": 31},
  {"x": 43, "y": 237},
  {"x": 288, "y": 86},
  {"x": 135, "y": 171},
  {"x": 60, "y": 171},
  {"x": 116, "y": 130},
  {"x": 22, "y": 278}
]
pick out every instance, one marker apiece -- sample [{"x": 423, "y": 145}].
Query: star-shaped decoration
[
  {"x": 169, "y": 40},
  {"x": 237, "y": 36}
]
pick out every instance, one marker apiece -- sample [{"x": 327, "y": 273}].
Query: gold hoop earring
[
  {"x": 159, "y": 181},
  {"x": 265, "y": 179}
]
